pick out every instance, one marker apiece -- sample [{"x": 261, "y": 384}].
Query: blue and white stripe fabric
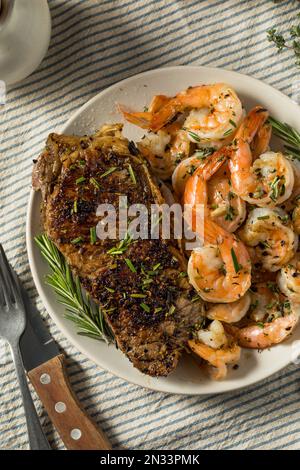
[{"x": 94, "y": 44}]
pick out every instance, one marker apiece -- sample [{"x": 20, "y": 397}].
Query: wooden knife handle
[{"x": 74, "y": 426}]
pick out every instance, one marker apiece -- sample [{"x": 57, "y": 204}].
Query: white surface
[
  {"x": 137, "y": 92},
  {"x": 24, "y": 39}
]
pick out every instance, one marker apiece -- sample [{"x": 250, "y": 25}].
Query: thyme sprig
[
  {"x": 80, "y": 309},
  {"x": 281, "y": 42}
]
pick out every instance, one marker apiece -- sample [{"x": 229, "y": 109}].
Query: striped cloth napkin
[{"x": 94, "y": 44}]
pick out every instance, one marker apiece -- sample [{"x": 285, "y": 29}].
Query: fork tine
[
  {"x": 10, "y": 288},
  {"x": 2, "y": 298}
]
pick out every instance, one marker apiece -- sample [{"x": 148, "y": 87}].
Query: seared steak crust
[{"x": 146, "y": 301}]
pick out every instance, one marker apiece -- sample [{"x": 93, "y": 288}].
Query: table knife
[{"x": 44, "y": 365}]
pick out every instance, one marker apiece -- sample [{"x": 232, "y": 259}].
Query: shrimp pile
[{"x": 246, "y": 269}]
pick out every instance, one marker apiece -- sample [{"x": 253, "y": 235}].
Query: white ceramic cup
[{"x": 25, "y": 31}]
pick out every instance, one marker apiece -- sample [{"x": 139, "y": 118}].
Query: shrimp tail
[
  {"x": 254, "y": 120},
  {"x": 158, "y": 101},
  {"x": 260, "y": 143},
  {"x": 140, "y": 119}
]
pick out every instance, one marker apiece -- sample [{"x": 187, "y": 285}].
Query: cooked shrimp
[
  {"x": 269, "y": 180},
  {"x": 264, "y": 335},
  {"x": 226, "y": 208},
  {"x": 267, "y": 302},
  {"x": 271, "y": 234},
  {"x": 165, "y": 149},
  {"x": 215, "y": 347},
  {"x": 214, "y": 336},
  {"x": 183, "y": 171},
  {"x": 220, "y": 108},
  {"x": 289, "y": 279},
  {"x": 221, "y": 270},
  {"x": 230, "y": 313}
]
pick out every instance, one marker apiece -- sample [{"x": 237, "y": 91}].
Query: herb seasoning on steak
[{"x": 138, "y": 283}]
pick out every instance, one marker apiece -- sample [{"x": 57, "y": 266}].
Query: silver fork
[{"x": 12, "y": 326}]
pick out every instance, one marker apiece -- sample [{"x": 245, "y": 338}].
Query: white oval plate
[{"x": 137, "y": 92}]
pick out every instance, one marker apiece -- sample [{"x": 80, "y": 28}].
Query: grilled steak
[{"x": 145, "y": 298}]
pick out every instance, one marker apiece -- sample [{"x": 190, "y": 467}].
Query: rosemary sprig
[
  {"x": 289, "y": 135},
  {"x": 80, "y": 309}
]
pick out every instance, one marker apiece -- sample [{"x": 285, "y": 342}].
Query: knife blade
[{"x": 45, "y": 368}]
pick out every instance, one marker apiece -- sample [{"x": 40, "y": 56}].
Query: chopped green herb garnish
[
  {"x": 230, "y": 213},
  {"x": 157, "y": 309},
  {"x": 171, "y": 310},
  {"x": 147, "y": 281},
  {"x": 76, "y": 240},
  {"x": 93, "y": 235},
  {"x": 275, "y": 188},
  {"x": 204, "y": 152},
  {"x": 263, "y": 217},
  {"x": 80, "y": 180},
  {"x": 284, "y": 218},
  {"x": 183, "y": 274},
  {"x": 232, "y": 123},
  {"x": 108, "y": 172},
  {"x": 138, "y": 296},
  {"x": 75, "y": 206},
  {"x": 145, "y": 307},
  {"x": 109, "y": 310},
  {"x": 191, "y": 170},
  {"x": 130, "y": 265},
  {"x": 194, "y": 136},
  {"x": 236, "y": 264},
  {"x": 95, "y": 183},
  {"x": 121, "y": 247},
  {"x": 228, "y": 132},
  {"x": 258, "y": 193},
  {"x": 131, "y": 173},
  {"x": 156, "y": 266},
  {"x": 109, "y": 289},
  {"x": 264, "y": 244}
]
